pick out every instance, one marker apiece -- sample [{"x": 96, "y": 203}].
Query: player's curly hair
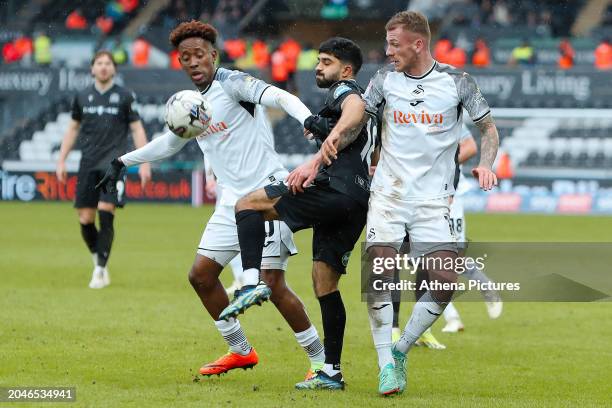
[{"x": 193, "y": 28}]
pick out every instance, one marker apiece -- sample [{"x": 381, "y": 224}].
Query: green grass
[{"x": 141, "y": 341}]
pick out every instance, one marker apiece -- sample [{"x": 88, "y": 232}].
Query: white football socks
[
  {"x": 310, "y": 341},
  {"x": 234, "y": 336},
  {"x": 451, "y": 313},
  {"x": 426, "y": 311},
  {"x": 250, "y": 277},
  {"x": 381, "y": 325}
]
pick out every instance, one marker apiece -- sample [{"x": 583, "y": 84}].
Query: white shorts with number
[
  {"x": 220, "y": 240},
  {"x": 457, "y": 217},
  {"x": 426, "y": 222}
]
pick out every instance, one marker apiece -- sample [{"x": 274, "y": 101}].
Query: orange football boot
[{"x": 230, "y": 361}]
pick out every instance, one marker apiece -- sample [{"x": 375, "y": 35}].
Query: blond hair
[{"x": 411, "y": 21}]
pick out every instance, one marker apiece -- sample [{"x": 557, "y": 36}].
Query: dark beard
[{"x": 323, "y": 82}]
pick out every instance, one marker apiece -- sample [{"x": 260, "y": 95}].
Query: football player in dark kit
[
  {"x": 329, "y": 196},
  {"x": 102, "y": 114}
]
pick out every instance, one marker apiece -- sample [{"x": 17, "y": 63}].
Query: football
[{"x": 188, "y": 114}]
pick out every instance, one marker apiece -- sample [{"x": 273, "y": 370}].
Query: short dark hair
[
  {"x": 101, "y": 53},
  {"x": 345, "y": 50},
  {"x": 193, "y": 28}
]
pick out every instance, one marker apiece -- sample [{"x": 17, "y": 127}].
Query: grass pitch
[{"x": 142, "y": 340}]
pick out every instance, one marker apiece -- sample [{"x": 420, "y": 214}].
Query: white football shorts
[
  {"x": 220, "y": 240},
  {"x": 426, "y": 222}
]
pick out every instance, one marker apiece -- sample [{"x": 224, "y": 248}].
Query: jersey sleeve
[
  {"x": 132, "y": 111},
  {"x": 241, "y": 86},
  {"x": 374, "y": 96},
  {"x": 341, "y": 91},
  {"x": 76, "y": 110},
  {"x": 471, "y": 98}
]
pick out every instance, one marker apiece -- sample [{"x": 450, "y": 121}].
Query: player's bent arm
[
  {"x": 489, "y": 141},
  {"x": 273, "y": 97},
  {"x": 351, "y": 120},
  {"x": 467, "y": 149},
  {"x": 159, "y": 148}
]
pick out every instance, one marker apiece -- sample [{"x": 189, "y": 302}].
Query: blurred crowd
[{"x": 445, "y": 51}]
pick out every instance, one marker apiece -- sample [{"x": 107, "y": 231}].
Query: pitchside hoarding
[
  {"x": 579, "y": 84},
  {"x": 165, "y": 187}
]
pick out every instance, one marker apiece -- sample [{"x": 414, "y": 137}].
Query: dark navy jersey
[
  {"x": 104, "y": 123},
  {"x": 349, "y": 173}
]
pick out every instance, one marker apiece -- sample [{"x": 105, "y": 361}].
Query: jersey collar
[
  {"x": 203, "y": 91},
  {"x": 425, "y": 74},
  {"x": 102, "y": 93}
]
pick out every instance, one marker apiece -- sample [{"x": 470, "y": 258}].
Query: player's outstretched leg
[
  {"x": 204, "y": 277},
  {"x": 251, "y": 213}
]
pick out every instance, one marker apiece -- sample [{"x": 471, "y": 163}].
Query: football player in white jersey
[
  {"x": 239, "y": 146},
  {"x": 411, "y": 188}
]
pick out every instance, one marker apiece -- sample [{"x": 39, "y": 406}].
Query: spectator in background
[
  {"x": 523, "y": 54},
  {"x": 291, "y": 49},
  {"x": 104, "y": 24},
  {"x": 442, "y": 49},
  {"x": 280, "y": 73},
  {"x": 482, "y": 55},
  {"x": 566, "y": 55},
  {"x": 42, "y": 49},
  {"x": 261, "y": 55},
  {"x": 457, "y": 57},
  {"x": 24, "y": 47},
  {"x": 120, "y": 54},
  {"x": 10, "y": 53},
  {"x": 76, "y": 21},
  {"x": 129, "y": 5},
  {"x": 603, "y": 55},
  {"x": 235, "y": 48},
  {"x": 501, "y": 13},
  {"x": 140, "y": 52}
]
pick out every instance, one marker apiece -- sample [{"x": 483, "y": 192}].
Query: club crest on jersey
[
  {"x": 419, "y": 90},
  {"x": 423, "y": 118},
  {"x": 340, "y": 90},
  {"x": 114, "y": 98}
]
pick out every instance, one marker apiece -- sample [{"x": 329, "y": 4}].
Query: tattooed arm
[
  {"x": 346, "y": 130},
  {"x": 489, "y": 144}
]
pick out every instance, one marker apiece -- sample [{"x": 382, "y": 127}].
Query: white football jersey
[
  {"x": 239, "y": 143},
  {"x": 421, "y": 127}
]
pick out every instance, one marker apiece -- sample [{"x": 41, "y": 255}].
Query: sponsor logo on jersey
[
  {"x": 100, "y": 110},
  {"x": 423, "y": 117},
  {"x": 214, "y": 128}
]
